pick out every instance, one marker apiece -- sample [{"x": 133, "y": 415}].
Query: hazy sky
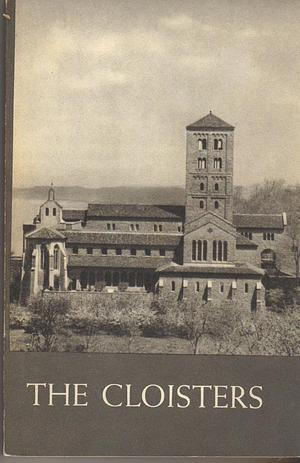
[{"x": 105, "y": 88}]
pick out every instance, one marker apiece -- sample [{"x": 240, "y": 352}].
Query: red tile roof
[
  {"x": 265, "y": 221},
  {"x": 117, "y": 261},
  {"x": 135, "y": 211},
  {"x": 45, "y": 233},
  {"x": 235, "y": 270},
  {"x": 73, "y": 215},
  {"x": 155, "y": 239},
  {"x": 208, "y": 122},
  {"x": 245, "y": 242}
]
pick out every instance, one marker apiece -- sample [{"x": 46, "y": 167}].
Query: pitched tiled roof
[
  {"x": 136, "y": 211},
  {"x": 210, "y": 121},
  {"x": 122, "y": 238},
  {"x": 117, "y": 261},
  {"x": 244, "y": 241},
  {"x": 234, "y": 270},
  {"x": 46, "y": 233},
  {"x": 73, "y": 215},
  {"x": 258, "y": 221}
]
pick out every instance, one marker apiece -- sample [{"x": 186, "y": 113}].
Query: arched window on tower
[
  {"x": 202, "y": 144},
  {"x": 201, "y": 204},
  {"x": 217, "y": 163},
  {"x": 201, "y": 186},
  {"x": 216, "y": 204},
  {"x": 54, "y": 211},
  {"x": 216, "y": 187},
  {"x": 47, "y": 211},
  {"x": 218, "y": 144},
  {"x": 56, "y": 257},
  {"x": 201, "y": 163}
]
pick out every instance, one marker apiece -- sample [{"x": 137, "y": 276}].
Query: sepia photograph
[{"x": 156, "y": 193}]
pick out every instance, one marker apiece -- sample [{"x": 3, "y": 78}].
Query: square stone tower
[{"x": 209, "y": 168}]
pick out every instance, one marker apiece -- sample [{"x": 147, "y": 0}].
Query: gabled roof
[
  {"x": 236, "y": 269},
  {"x": 258, "y": 221},
  {"x": 73, "y": 215},
  {"x": 135, "y": 211},
  {"x": 210, "y": 122},
  {"x": 115, "y": 238},
  {"x": 243, "y": 241},
  {"x": 46, "y": 233},
  {"x": 117, "y": 261},
  {"x": 51, "y": 201},
  {"x": 209, "y": 217}
]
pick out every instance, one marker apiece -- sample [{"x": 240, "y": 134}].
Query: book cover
[{"x": 152, "y": 228}]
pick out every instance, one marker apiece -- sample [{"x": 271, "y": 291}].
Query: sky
[{"x": 105, "y": 88}]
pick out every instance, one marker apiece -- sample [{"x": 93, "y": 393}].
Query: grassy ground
[{"x": 20, "y": 341}]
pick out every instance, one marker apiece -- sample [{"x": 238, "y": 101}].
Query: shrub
[
  {"x": 47, "y": 320},
  {"x": 18, "y": 317}
]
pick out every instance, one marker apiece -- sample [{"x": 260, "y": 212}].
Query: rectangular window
[
  {"x": 131, "y": 227},
  {"x": 104, "y": 251},
  {"x": 179, "y": 229},
  {"x": 108, "y": 226},
  {"x": 89, "y": 250},
  {"x": 113, "y": 226},
  {"x": 222, "y": 288},
  {"x": 246, "y": 288},
  {"x": 137, "y": 227},
  {"x": 75, "y": 249},
  {"x": 160, "y": 228},
  {"x": 54, "y": 211},
  {"x": 173, "y": 286},
  {"x": 148, "y": 252},
  {"x": 197, "y": 286},
  {"x": 133, "y": 252},
  {"x": 119, "y": 251},
  {"x": 162, "y": 252}
]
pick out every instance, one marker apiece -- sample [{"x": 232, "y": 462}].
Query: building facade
[{"x": 201, "y": 249}]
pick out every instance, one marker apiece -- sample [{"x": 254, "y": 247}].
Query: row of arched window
[
  {"x": 202, "y": 163},
  {"x": 45, "y": 255},
  {"x": 220, "y": 251},
  {"x": 202, "y": 204},
  {"x": 47, "y": 211},
  {"x": 247, "y": 235},
  {"x": 199, "y": 250},
  {"x": 218, "y": 144},
  {"x": 269, "y": 236},
  {"x": 202, "y": 186}
]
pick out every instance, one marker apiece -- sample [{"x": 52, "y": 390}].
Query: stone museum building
[{"x": 201, "y": 248}]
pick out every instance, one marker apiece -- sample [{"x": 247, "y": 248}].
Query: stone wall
[
  {"x": 210, "y": 175},
  {"x": 125, "y": 226},
  {"x": 215, "y": 288}
]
